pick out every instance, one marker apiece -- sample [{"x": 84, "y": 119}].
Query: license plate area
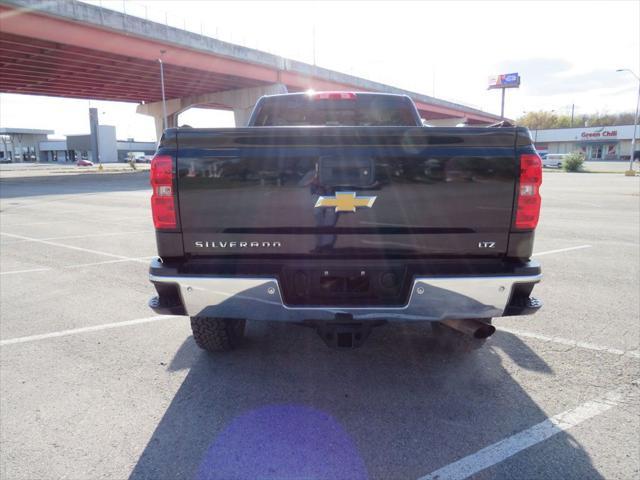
[
  {"x": 345, "y": 286},
  {"x": 348, "y": 284}
]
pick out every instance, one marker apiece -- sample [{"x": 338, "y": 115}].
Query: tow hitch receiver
[{"x": 343, "y": 332}]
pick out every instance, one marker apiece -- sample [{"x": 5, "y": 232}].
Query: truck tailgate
[{"x": 346, "y": 191}]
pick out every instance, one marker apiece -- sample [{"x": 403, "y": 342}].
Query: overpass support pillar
[
  {"x": 172, "y": 121},
  {"x": 241, "y": 116},
  {"x": 241, "y": 101}
]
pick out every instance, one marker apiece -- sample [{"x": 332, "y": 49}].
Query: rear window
[{"x": 364, "y": 110}]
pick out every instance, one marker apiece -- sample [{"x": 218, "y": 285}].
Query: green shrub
[{"x": 573, "y": 162}]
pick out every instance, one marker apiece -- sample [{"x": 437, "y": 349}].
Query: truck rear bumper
[{"x": 260, "y": 298}]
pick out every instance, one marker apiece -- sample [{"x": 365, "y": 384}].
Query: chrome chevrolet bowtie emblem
[{"x": 345, "y": 202}]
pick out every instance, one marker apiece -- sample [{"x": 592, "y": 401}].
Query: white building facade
[
  {"x": 595, "y": 143},
  {"x": 21, "y": 144},
  {"x": 77, "y": 147}
]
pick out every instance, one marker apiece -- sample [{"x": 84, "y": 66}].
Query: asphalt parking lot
[{"x": 94, "y": 386}]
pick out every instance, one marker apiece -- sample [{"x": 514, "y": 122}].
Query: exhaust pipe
[{"x": 472, "y": 327}]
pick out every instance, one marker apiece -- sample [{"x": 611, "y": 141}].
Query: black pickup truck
[{"x": 341, "y": 211}]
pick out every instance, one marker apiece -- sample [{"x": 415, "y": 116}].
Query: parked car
[
  {"x": 84, "y": 163},
  {"x": 554, "y": 160}
]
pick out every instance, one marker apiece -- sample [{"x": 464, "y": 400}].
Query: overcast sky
[{"x": 565, "y": 52}]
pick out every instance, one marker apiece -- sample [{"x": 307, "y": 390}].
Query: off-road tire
[
  {"x": 217, "y": 334},
  {"x": 452, "y": 341}
]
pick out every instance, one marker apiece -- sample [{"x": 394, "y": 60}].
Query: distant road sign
[{"x": 506, "y": 80}]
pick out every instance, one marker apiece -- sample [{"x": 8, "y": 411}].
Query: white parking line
[
  {"x": 139, "y": 259},
  {"x": 26, "y": 271},
  {"x": 572, "y": 343},
  {"x": 589, "y": 204},
  {"x": 88, "y": 235},
  {"x": 499, "y": 451},
  {"x": 34, "y": 223},
  {"x": 71, "y": 247},
  {"x": 548, "y": 252},
  {"x": 70, "y": 217},
  {"x": 75, "y": 331},
  {"x": 80, "y": 265}
]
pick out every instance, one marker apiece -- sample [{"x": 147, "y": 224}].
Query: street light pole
[
  {"x": 164, "y": 103},
  {"x": 635, "y": 121},
  {"x": 314, "y": 45}
]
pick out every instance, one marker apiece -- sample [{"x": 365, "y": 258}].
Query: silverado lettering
[{"x": 213, "y": 244}]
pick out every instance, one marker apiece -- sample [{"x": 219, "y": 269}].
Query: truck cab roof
[{"x": 336, "y": 109}]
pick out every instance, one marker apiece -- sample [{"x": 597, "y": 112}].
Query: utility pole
[
  {"x": 635, "y": 127},
  {"x": 164, "y": 102},
  {"x": 572, "y": 109},
  {"x": 630, "y": 172},
  {"x": 314, "y": 45},
  {"x": 94, "y": 134}
]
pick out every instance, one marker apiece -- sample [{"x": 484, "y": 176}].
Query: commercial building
[
  {"x": 29, "y": 145},
  {"x": 77, "y": 147},
  {"x": 21, "y": 144},
  {"x": 595, "y": 143}
]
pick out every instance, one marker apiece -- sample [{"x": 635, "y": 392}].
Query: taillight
[
  {"x": 333, "y": 96},
  {"x": 528, "y": 202},
  {"x": 163, "y": 205}
]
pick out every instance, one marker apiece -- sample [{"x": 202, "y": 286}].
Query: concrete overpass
[{"x": 76, "y": 50}]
